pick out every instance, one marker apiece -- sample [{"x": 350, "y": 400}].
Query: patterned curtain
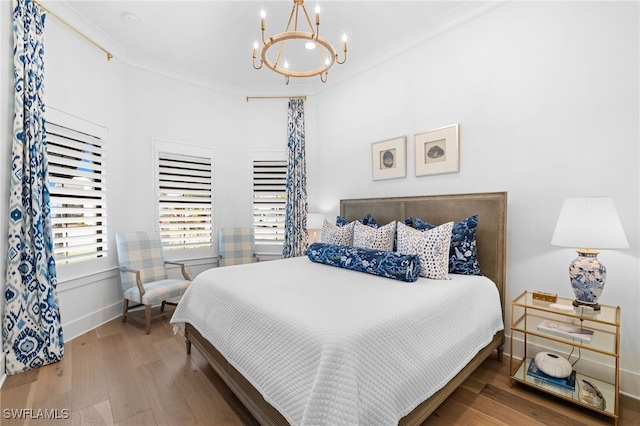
[
  {"x": 32, "y": 334},
  {"x": 296, "y": 235}
]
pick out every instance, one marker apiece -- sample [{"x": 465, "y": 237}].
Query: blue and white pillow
[
  {"x": 381, "y": 238},
  {"x": 338, "y": 235},
  {"x": 431, "y": 246},
  {"x": 463, "y": 256},
  {"x": 366, "y": 220},
  {"x": 376, "y": 262}
]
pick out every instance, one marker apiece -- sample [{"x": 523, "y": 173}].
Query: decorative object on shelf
[
  {"x": 568, "y": 382},
  {"x": 562, "y": 307},
  {"x": 569, "y": 331},
  {"x": 389, "y": 158},
  {"x": 590, "y": 394},
  {"x": 591, "y": 223},
  {"x": 545, "y": 297},
  {"x": 553, "y": 365},
  {"x": 437, "y": 151},
  {"x": 302, "y": 65}
]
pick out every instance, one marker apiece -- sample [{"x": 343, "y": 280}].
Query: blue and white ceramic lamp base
[{"x": 587, "y": 277}]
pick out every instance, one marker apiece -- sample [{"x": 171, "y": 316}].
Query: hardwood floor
[{"x": 118, "y": 375}]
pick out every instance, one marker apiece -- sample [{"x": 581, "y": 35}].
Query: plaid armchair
[
  {"x": 237, "y": 246},
  {"x": 143, "y": 275}
]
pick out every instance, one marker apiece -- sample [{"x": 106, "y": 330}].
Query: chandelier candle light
[
  {"x": 591, "y": 223},
  {"x": 327, "y": 55}
]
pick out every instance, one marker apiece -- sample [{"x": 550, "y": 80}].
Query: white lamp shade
[
  {"x": 589, "y": 223},
  {"x": 315, "y": 220}
]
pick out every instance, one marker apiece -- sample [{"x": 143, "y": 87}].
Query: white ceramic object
[{"x": 552, "y": 364}]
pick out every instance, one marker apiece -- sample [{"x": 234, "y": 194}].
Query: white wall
[{"x": 546, "y": 96}]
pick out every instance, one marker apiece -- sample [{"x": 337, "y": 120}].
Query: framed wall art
[
  {"x": 437, "y": 151},
  {"x": 389, "y": 158}
]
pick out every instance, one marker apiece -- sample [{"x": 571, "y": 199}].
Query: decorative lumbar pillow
[
  {"x": 376, "y": 262},
  {"x": 431, "y": 246},
  {"x": 553, "y": 365},
  {"x": 381, "y": 238},
  {"x": 338, "y": 235},
  {"x": 463, "y": 256}
]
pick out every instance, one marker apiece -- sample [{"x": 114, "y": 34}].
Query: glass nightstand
[{"x": 538, "y": 325}]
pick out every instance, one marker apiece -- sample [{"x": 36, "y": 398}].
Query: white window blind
[
  {"x": 269, "y": 198},
  {"x": 185, "y": 200},
  {"x": 77, "y": 184}
]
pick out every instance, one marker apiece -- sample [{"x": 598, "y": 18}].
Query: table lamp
[
  {"x": 589, "y": 224},
  {"x": 314, "y": 223}
]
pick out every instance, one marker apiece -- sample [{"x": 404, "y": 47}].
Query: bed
[{"x": 276, "y": 359}]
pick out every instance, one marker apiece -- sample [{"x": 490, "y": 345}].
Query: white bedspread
[{"x": 328, "y": 346}]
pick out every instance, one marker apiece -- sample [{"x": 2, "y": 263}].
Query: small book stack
[
  {"x": 570, "y": 331},
  {"x": 566, "y": 382}
]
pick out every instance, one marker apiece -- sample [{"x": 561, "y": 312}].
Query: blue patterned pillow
[
  {"x": 463, "y": 256},
  {"x": 341, "y": 221},
  {"x": 366, "y": 220},
  {"x": 408, "y": 221},
  {"x": 370, "y": 221},
  {"x": 403, "y": 267}
]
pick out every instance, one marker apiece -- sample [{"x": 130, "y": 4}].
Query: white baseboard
[
  {"x": 3, "y": 371},
  {"x": 630, "y": 384},
  {"x": 87, "y": 323},
  {"x": 629, "y": 380}
]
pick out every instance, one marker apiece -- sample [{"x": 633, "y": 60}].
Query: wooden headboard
[{"x": 491, "y": 233}]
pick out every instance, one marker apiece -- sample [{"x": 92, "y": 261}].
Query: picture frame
[
  {"x": 437, "y": 151},
  {"x": 389, "y": 158}
]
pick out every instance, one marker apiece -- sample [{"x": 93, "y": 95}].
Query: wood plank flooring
[{"x": 118, "y": 375}]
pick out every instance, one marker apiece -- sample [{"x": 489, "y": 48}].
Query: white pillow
[
  {"x": 431, "y": 246},
  {"x": 368, "y": 237},
  {"x": 338, "y": 235}
]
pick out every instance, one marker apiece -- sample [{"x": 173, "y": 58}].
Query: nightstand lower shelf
[{"x": 606, "y": 389}]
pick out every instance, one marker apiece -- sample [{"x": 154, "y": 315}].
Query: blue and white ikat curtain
[
  {"x": 296, "y": 236},
  {"x": 31, "y": 332}
]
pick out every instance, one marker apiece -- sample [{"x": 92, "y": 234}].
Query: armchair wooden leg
[
  {"x": 125, "y": 309},
  {"x": 147, "y": 314},
  {"x": 188, "y": 342},
  {"x": 164, "y": 302}
]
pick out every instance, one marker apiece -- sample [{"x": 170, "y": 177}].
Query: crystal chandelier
[{"x": 305, "y": 66}]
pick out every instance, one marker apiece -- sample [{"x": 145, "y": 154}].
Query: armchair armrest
[
  {"x": 138, "y": 280},
  {"x": 183, "y": 269}
]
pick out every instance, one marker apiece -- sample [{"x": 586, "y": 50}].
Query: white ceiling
[{"x": 212, "y": 40}]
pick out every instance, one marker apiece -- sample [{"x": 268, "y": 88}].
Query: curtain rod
[
  {"x": 71, "y": 27},
  {"x": 303, "y": 97}
]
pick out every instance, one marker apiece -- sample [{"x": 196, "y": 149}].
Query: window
[
  {"x": 184, "y": 197},
  {"x": 269, "y": 173},
  {"x": 78, "y": 187}
]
